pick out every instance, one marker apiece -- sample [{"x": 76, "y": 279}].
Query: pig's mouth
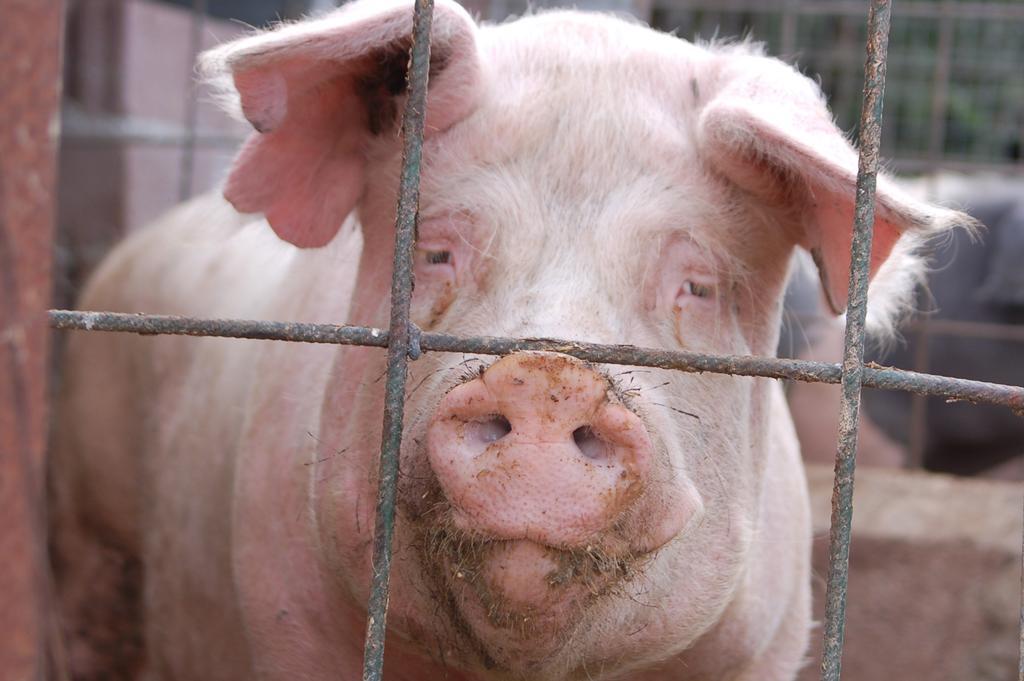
[
  {"x": 516, "y": 603},
  {"x": 522, "y": 584}
]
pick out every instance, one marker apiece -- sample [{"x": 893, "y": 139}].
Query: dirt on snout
[{"x": 526, "y": 589}]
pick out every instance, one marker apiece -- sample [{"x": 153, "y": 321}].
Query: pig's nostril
[
  {"x": 588, "y": 443},
  {"x": 492, "y": 430}
]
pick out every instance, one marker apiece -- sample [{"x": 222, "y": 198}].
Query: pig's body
[
  {"x": 226, "y": 479},
  {"x": 142, "y": 402},
  {"x": 583, "y": 178}
]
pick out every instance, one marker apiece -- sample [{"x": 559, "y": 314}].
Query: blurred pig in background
[{"x": 969, "y": 324}]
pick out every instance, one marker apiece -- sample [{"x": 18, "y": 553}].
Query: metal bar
[
  {"x": 966, "y": 67},
  {"x": 869, "y": 138},
  {"x": 81, "y": 128},
  {"x": 1009, "y": 167},
  {"x": 187, "y": 167},
  {"x": 398, "y": 338},
  {"x": 964, "y": 329},
  {"x": 156, "y": 139},
  {"x": 30, "y": 84},
  {"x": 956, "y": 328},
  {"x": 875, "y": 376},
  {"x": 940, "y": 83},
  {"x": 953, "y": 389},
  {"x": 151, "y": 325}
]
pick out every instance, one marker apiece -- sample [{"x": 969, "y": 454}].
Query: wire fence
[
  {"x": 956, "y": 98},
  {"x": 404, "y": 342}
]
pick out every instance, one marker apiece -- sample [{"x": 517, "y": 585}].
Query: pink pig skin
[{"x": 584, "y": 177}]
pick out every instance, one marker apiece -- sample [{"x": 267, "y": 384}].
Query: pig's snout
[{"x": 538, "y": 448}]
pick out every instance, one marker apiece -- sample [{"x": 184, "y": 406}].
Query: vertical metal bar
[
  {"x": 940, "y": 85},
  {"x": 30, "y": 82},
  {"x": 186, "y": 170},
  {"x": 869, "y": 137},
  {"x": 398, "y": 339}
]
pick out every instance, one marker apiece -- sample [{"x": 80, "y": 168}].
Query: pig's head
[{"x": 584, "y": 178}]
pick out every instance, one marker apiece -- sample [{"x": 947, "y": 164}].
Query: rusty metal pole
[
  {"x": 869, "y": 138},
  {"x": 30, "y": 60},
  {"x": 399, "y": 338},
  {"x": 874, "y": 376}
]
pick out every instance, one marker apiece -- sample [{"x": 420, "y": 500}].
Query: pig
[
  {"x": 972, "y": 278},
  {"x": 583, "y": 176}
]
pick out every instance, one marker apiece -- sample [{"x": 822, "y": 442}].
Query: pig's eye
[
  {"x": 693, "y": 289},
  {"x": 432, "y": 258}
]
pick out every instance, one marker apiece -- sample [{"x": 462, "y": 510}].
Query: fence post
[
  {"x": 30, "y": 40},
  {"x": 868, "y": 141},
  {"x": 399, "y": 338}
]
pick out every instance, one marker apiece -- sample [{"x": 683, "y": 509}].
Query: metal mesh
[
  {"x": 403, "y": 342},
  {"x": 957, "y": 93}
]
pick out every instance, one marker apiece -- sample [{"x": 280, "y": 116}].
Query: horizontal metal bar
[
  {"x": 156, "y": 138},
  {"x": 151, "y": 325},
  {"x": 174, "y": 136},
  {"x": 923, "y": 165},
  {"x": 875, "y": 376},
  {"x": 81, "y": 128},
  {"x": 954, "y": 328}
]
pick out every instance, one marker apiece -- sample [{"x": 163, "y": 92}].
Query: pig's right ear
[
  {"x": 766, "y": 127},
  {"x": 317, "y": 91}
]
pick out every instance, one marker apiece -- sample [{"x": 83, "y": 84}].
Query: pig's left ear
[
  {"x": 767, "y": 128},
  {"x": 317, "y": 91}
]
